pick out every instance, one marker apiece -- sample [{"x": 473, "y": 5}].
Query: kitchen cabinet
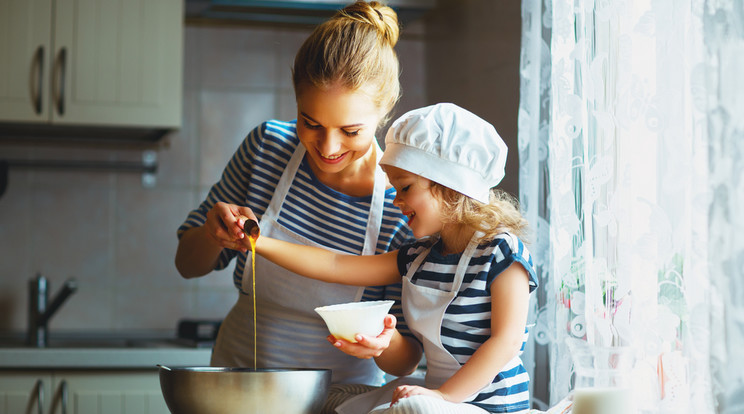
[
  {"x": 91, "y": 62},
  {"x": 81, "y": 392}
]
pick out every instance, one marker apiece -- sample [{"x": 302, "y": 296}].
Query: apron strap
[
  {"x": 374, "y": 222},
  {"x": 282, "y": 187},
  {"x": 462, "y": 264}
]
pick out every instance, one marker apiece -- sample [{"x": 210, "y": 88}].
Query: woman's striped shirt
[
  {"x": 467, "y": 321},
  {"x": 311, "y": 209}
]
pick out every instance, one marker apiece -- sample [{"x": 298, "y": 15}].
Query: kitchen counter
[
  {"x": 103, "y": 358},
  {"x": 103, "y": 351}
]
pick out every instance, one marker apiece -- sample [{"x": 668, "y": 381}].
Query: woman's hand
[
  {"x": 405, "y": 391},
  {"x": 199, "y": 248},
  {"x": 224, "y": 225},
  {"x": 367, "y": 347}
]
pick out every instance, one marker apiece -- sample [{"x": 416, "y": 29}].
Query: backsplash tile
[
  {"x": 238, "y": 57},
  {"x": 214, "y": 302},
  {"x": 151, "y": 309},
  {"x": 70, "y": 234},
  {"x": 145, "y": 238},
  {"x": 89, "y": 308},
  {"x": 178, "y": 158},
  {"x": 15, "y": 233},
  {"x": 226, "y": 117}
]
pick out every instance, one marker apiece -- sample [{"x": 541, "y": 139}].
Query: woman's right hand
[
  {"x": 224, "y": 225},
  {"x": 366, "y": 346}
]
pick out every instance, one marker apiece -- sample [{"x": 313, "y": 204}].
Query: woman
[{"x": 314, "y": 181}]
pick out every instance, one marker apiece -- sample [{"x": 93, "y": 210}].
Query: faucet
[{"x": 40, "y": 310}]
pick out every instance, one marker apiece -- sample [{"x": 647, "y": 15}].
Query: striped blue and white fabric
[
  {"x": 311, "y": 209},
  {"x": 467, "y": 321}
]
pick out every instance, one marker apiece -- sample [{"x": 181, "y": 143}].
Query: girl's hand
[
  {"x": 405, "y": 391},
  {"x": 224, "y": 225},
  {"x": 367, "y": 347}
]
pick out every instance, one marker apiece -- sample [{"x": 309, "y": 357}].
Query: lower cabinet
[{"x": 81, "y": 392}]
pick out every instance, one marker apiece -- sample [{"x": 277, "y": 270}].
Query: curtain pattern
[
  {"x": 724, "y": 40},
  {"x": 632, "y": 168},
  {"x": 533, "y": 124}
]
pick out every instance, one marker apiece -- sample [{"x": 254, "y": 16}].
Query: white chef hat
[{"x": 448, "y": 145}]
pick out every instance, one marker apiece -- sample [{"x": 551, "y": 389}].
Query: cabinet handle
[
  {"x": 39, "y": 396},
  {"x": 39, "y": 78},
  {"x": 62, "y": 59},
  {"x": 63, "y": 388}
]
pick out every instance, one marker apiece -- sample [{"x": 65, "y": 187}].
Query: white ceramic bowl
[{"x": 345, "y": 320}]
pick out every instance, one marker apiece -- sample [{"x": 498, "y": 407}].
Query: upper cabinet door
[
  {"x": 117, "y": 62},
  {"x": 25, "y": 60},
  {"x": 91, "y": 62}
]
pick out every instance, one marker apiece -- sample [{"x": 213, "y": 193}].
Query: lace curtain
[
  {"x": 632, "y": 174},
  {"x": 724, "y": 38}
]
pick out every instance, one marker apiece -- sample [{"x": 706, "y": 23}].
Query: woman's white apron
[
  {"x": 423, "y": 308},
  {"x": 289, "y": 332}
]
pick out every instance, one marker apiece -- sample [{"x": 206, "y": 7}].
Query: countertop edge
[{"x": 108, "y": 358}]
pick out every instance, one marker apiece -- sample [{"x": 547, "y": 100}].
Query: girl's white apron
[
  {"x": 289, "y": 332},
  {"x": 424, "y": 309}
]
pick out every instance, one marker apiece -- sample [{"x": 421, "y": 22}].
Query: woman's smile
[{"x": 332, "y": 159}]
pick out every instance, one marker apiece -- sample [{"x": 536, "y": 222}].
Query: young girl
[{"x": 466, "y": 281}]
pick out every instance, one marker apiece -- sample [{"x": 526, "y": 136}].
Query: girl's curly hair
[{"x": 499, "y": 215}]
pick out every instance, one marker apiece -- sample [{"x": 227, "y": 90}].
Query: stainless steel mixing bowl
[{"x": 213, "y": 390}]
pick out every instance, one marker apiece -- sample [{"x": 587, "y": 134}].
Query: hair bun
[
  {"x": 376, "y": 14},
  {"x": 356, "y": 49}
]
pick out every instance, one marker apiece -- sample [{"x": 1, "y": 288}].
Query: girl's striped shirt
[{"x": 467, "y": 321}]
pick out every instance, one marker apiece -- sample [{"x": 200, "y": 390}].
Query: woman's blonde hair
[
  {"x": 355, "y": 48},
  {"x": 499, "y": 215}
]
